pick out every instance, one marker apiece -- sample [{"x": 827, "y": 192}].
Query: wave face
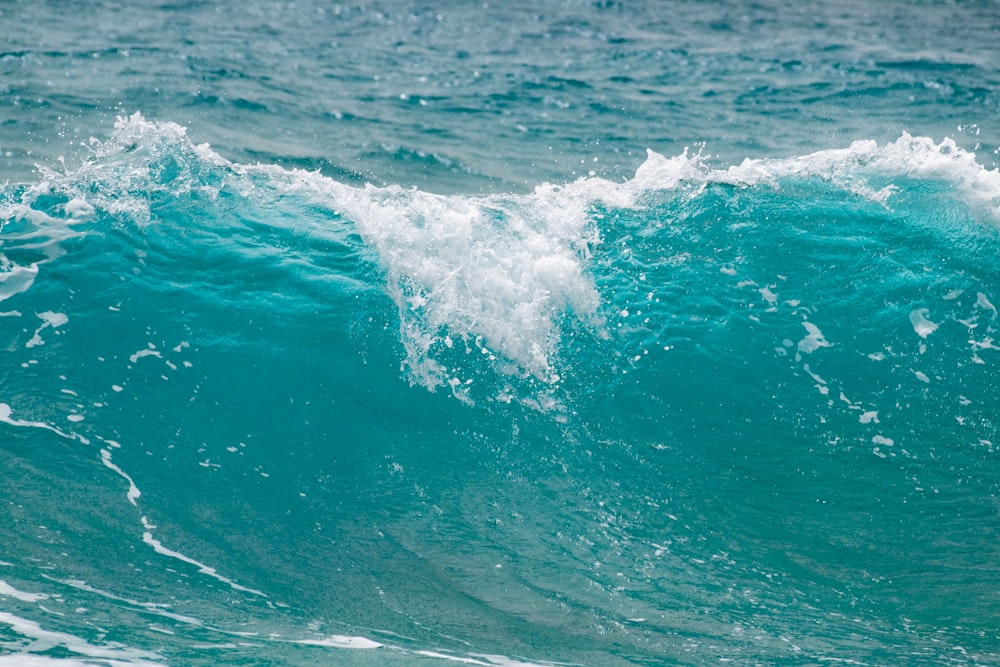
[{"x": 256, "y": 415}]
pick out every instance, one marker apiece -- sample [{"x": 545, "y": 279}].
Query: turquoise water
[{"x": 587, "y": 333}]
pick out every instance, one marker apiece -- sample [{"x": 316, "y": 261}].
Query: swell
[
  {"x": 764, "y": 390},
  {"x": 498, "y": 273}
]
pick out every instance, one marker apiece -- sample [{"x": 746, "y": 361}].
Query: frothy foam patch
[
  {"x": 139, "y": 162},
  {"x": 492, "y": 275},
  {"x": 9, "y": 591},
  {"x": 921, "y": 325},
  {"x": 813, "y": 340},
  {"x": 478, "y": 659},
  {"x": 133, "y": 490},
  {"x": 6, "y": 416},
  {"x": 38, "y": 640},
  {"x": 15, "y": 279},
  {"x": 496, "y": 272},
  {"x": 157, "y": 608},
  {"x": 28, "y": 660},
  {"x": 142, "y": 159},
  {"x": 340, "y": 641},
  {"x": 49, "y": 319},
  {"x": 908, "y": 156}
]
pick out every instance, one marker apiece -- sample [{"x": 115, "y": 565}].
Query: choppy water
[{"x": 592, "y": 333}]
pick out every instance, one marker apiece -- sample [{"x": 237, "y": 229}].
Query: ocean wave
[
  {"x": 497, "y": 277},
  {"x": 663, "y": 381}
]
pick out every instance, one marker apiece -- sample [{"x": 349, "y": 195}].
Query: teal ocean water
[{"x": 528, "y": 333}]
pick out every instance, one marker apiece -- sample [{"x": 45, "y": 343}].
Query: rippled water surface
[{"x": 532, "y": 333}]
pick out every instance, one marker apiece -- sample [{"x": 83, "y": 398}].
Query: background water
[{"x": 599, "y": 333}]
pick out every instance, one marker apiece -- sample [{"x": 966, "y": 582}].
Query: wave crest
[{"x": 496, "y": 277}]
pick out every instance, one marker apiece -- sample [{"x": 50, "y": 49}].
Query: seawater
[{"x": 591, "y": 333}]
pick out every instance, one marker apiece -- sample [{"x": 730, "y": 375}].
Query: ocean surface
[{"x": 567, "y": 332}]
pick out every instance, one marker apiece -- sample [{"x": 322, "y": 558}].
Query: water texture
[{"x": 588, "y": 333}]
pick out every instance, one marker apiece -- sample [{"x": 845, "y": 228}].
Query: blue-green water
[{"x": 589, "y": 333}]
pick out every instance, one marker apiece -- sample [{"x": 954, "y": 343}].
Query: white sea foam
[
  {"x": 145, "y": 353},
  {"x": 495, "y": 272},
  {"x": 49, "y": 319},
  {"x": 15, "y": 279},
  {"x": 157, "y": 608},
  {"x": 29, "y": 660},
  {"x": 148, "y": 538},
  {"x": 813, "y": 340},
  {"x": 39, "y": 640},
  {"x": 9, "y": 591},
  {"x": 6, "y": 416},
  {"x": 133, "y": 496},
  {"x": 851, "y": 167},
  {"x": 133, "y": 490},
  {"x": 451, "y": 658},
  {"x": 340, "y": 641},
  {"x": 921, "y": 325},
  {"x": 983, "y": 302},
  {"x": 486, "y": 660}
]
